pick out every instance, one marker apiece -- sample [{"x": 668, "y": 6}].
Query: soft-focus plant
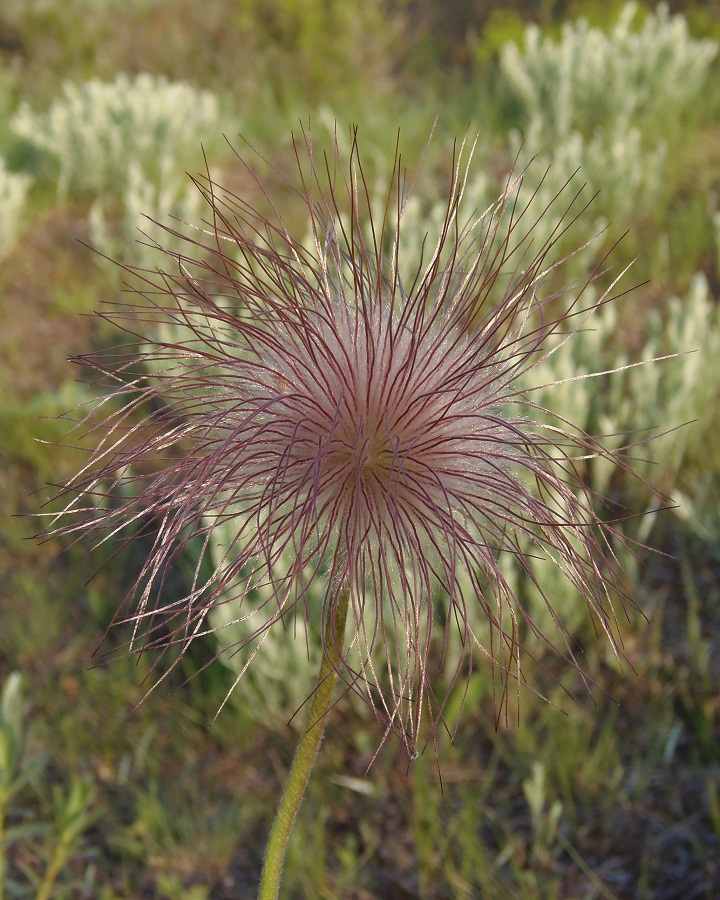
[
  {"x": 610, "y": 104},
  {"x": 16, "y": 771},
  {"x": 181, "y": 833},
  {"x": 97, "y": 131},
  {"x": 326, "y": 416},
  {"x": 613, "y": 169},
  {"x": 73, "y": 815},
  {"x": 545, "y": 814},
  {"x": 638, "y": 74},
  {"x": 281, "y": 677},
  {"x": 14, "y": 189},
  {"x": 133, "y": 239},
  {"x": 642, "y": 399},
  {"x": 688, "y": 458},
  {"x": 311, "y": 48}
]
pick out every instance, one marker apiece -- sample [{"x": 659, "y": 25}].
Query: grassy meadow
[{"x": 105, "y": 106}]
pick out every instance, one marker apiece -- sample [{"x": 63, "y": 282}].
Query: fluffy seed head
[{"x": 373, "y": 429}]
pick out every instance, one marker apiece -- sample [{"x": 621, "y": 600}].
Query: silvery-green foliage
[
  {"x": 642, "y": 76},
  {"x": 96, "y": 130},
  {"x": 285, "y": 660},
  {"x": 135, "y": 238},
  {"x": 565, "y": 384},
  {"x": 545, "y": 199},
  {"x": 558, "y": 385},
  {"x": 282, "y": 674},
  {"x": 624, "y": 176},
  {"x": 562, "y": 384},
  {"x": 637, "y": 405},
  {"x": 13, "y": 195},
  {"x": 681, "y": 396},
  {"x": 602, "y": 103},
  {"x": 557, "y": 611}
]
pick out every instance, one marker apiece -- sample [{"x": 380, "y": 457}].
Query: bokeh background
[{"x": 105, "y": 105}]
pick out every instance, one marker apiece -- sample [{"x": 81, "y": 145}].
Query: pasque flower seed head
[{"x": 375, "y": 429}]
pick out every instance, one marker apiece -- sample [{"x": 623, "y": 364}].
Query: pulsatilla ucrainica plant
[{"x": 341, "y": 417}]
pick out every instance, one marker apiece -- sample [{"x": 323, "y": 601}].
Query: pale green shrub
[
  {"x": 667, "y": 408},
  {"x": 543, "y": 189},
  {"x": 615, "y": 166},
  {"x": 684, "y": 389},
  {"x": 682, "y": 397},
  {"x": 146, "y": 206},
  {"x": 283, "y": 673},
  {"x": 670, "y": 405},
  {"x": 96, "y": 130},
  {"x": 13, "y": 195},
  {"x": 564, "y": 384},
  {"x": 558, "y": 389},
  {"x": 643, "y": 76},
  {"x": 609, "y": 104}
]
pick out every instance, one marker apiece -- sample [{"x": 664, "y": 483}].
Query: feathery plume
[{"x": 372, "y": 426}]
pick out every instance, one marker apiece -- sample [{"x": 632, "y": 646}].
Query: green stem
[
  {"x": 334, "y": 636},
  {"x": 58, "y": 860}
]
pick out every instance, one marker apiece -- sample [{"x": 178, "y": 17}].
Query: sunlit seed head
[{"x": 377, "y": 432}]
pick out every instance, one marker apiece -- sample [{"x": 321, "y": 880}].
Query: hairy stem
[{"x": 307, "y": 749}]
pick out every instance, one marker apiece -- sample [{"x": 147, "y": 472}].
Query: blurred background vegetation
[{"x": 104, "y": 105}]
